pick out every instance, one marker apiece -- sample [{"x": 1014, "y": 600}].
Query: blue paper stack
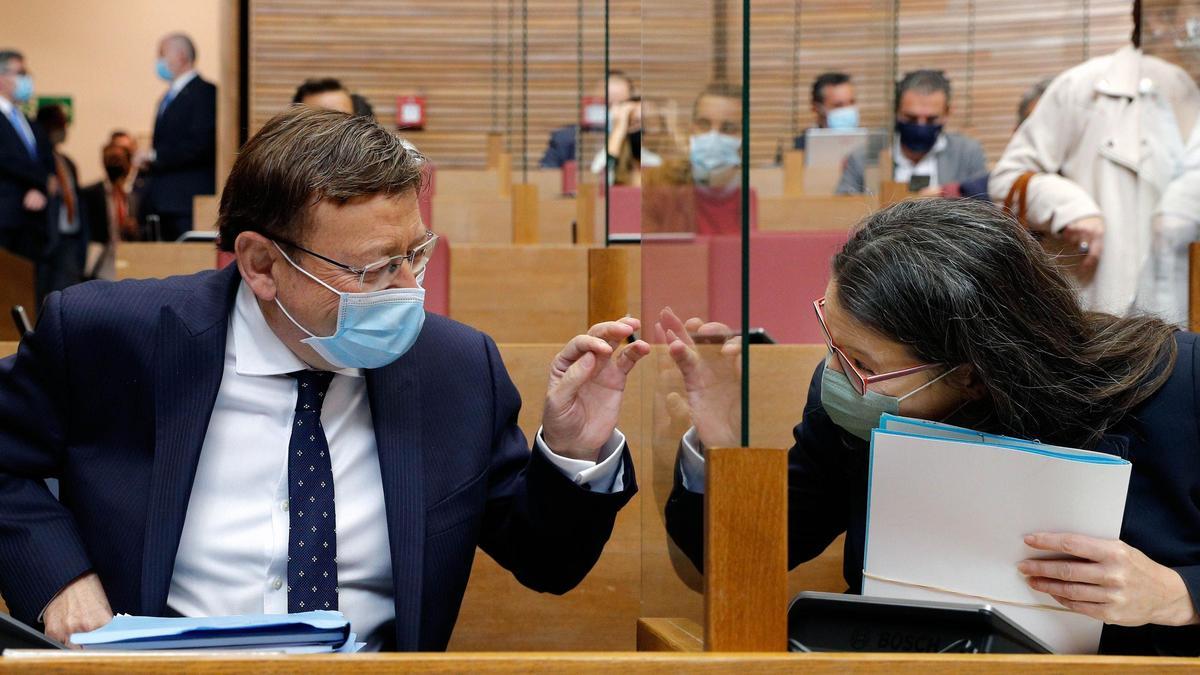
[{"x": 306, "y": 632}]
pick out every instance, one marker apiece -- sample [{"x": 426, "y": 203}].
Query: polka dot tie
[{"x": 312, "y": 540}]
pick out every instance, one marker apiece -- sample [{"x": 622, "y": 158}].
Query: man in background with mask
[
  {"x": 834, "y": 104},
  {"x": 26, "y": 163},
  {"x": 110, "y": 206},
  {"x": 183, "y": 161},
  {"x": 924, "y": 155},
  {"x": 294, "y": 432}
]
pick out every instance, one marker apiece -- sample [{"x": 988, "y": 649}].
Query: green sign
[{"x": 66, "y": 102}]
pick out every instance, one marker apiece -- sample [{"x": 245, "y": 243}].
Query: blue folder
[{"x": 319, "y": 629}]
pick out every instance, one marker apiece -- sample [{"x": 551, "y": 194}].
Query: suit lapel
[
  {"x": 395, "y": 399},
  {"x": 189, "y": 361}
]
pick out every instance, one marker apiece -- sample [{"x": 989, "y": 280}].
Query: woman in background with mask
[
  {"x": 949, "y": 310},
  {"x": 625, "y": 156}
]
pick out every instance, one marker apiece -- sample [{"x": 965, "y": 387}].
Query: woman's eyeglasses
[{"x": 857, "y": 379}]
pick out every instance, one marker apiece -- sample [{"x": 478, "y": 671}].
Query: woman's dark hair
[{"x": 961, "y": 282}]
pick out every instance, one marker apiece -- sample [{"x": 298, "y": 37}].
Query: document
[
  {"x": 304, "y": 632},
  {"x": 948, "y": 509}
]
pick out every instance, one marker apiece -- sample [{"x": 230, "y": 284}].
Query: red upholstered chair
[{"x": 788, "y": 270}]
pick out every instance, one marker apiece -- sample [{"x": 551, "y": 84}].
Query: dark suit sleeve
[
  {"x": 556, "y": 152},
  {"x": 817, "y": 488},
  {"x": 40, "y": 547},
  {"x": 538, "y": 524},
  {"x": 18, "y": 168},
  {"x": 197, "y": 145}
]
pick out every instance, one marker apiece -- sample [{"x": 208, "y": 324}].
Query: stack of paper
[
  {"x": 948, "y": 510},
  {"x": 305, "y": 632}
]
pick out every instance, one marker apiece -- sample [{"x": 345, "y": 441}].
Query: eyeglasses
[
  {"x": 381, "y": 273},
  {"x": 857, "y": 379}
]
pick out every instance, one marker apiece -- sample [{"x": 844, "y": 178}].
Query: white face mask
[{"x": 373, "y": 329}]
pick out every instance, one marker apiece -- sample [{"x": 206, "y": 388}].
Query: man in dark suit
[
  {"x": 26, "y": 163},
  {"x": 65, "y": 252},
  {"x": 561, "y": 147},
  {"x": 238, "y": 463},
  {"x": 183, "y": 162}
]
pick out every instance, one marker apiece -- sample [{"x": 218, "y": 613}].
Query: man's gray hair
[
  {"x": 184, "y": 42},
  {"x": 923, "y": 81},
  {"x": 7, "y": 56}
]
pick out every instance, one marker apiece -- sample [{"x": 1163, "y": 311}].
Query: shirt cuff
[
  {"x": 606, "y": 475},
  {"x": 691, "y": 462}
]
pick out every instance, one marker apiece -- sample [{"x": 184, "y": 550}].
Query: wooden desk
[
  {"x": 158, "y": 260},
  {"x": 16, "y": 288},
  {"x": 8, "y": 348},
  {"x": 618, "y": 663}
]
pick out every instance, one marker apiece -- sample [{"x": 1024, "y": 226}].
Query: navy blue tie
[{"x": 312, "y": 541}]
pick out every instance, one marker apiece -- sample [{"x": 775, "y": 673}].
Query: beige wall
[{"x": 102, "y": 53}]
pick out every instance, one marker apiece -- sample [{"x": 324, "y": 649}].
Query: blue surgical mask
[
  {"x": 163, "y": 71},
  {"x": 24, "y": 90},
  {"x": 373, "y": 329},
  {"x": 842, "y": 118},
  {"x": 712, "y": 151},
  {"x": 859, "y": 414},
  {"x": 918, "y": 137}
]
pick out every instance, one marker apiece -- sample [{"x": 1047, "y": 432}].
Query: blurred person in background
[
  {"x": 26, "y": 163},
  {"x": 65, "y": 251},
  {"x": 834, "y": 104},
  {"x": 1089, "y": 169},
  {"x": 325, "y": 92},
  {"x": 561, "y": 147},
  {"x": 182, "y": 163}
]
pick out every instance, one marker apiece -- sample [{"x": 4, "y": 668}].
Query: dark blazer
[
  {"x": 19, "y": 172},
  {"x": 561, "y": 148},
  {"x": 827, "y": 495},
  {"x": 93, "y": 200},
  {"x": 185, "y": 142},
  {"x": 457, "y": 471}
]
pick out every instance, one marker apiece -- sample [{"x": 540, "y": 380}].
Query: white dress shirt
[
  {"x": 6, "y": 108},
  {"x": 927, "y": 166},
  {"x": 691, "y": 462},
  {"x": 232, "y": 556},
  {"x": 180, "y": 82}
]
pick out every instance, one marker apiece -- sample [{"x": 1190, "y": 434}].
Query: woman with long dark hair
[{"x": 949, "y": 310}]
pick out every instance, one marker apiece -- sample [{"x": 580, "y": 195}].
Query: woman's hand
[
  {"x": 711, "y": 375},
  {"x": 1108, "y": 580},
  {"x": 1087, "y": 234}
]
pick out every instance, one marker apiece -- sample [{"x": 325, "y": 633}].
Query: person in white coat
[{"x": 1103, "y": 145}]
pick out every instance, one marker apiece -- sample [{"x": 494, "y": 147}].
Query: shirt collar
[
  {"x": 257, "y": 349},
  {"x": 182, "y": 81},
  {"x": 6, "y": 106}
]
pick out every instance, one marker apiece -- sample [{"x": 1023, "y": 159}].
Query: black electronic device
[
  {"x": 16, "y": 635},
  {"x": 835, "y": 622}
]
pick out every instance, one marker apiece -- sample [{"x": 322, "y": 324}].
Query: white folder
[{"x": 948, "y": 510}]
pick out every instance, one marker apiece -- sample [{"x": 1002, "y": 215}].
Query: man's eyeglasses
[
  {"x": 381, "y": 273},
  {"x": 857, "y": 379}
]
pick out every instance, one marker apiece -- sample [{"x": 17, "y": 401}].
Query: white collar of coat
[{"x": 1124, "y": 75}]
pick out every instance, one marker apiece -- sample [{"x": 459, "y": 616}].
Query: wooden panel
[
  {"x": 456, "y": 55},
  {"x": 8, "y": 349},
  {"x": 555, "y": 218},
  {"x": 767, "y": 181},
  {"x": 601, "y": 612},
  {"x": 145, "y": 260},
  {"x": 205, "y": 209},
  {"x": 608, "y": 284},
  {"x": 479, "y": 220},
  {"x": 16, "y": 288},
  {"x": 515, "y": 663},
  {"x": 520, "y": 294},
  {"x": 669, "y": 635},
  {"x": 525, "y": 213},
  {"x": 229, "y": 93},
  {"x": 745, "y": 549},
  {"x": 812, "y": 212}
]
